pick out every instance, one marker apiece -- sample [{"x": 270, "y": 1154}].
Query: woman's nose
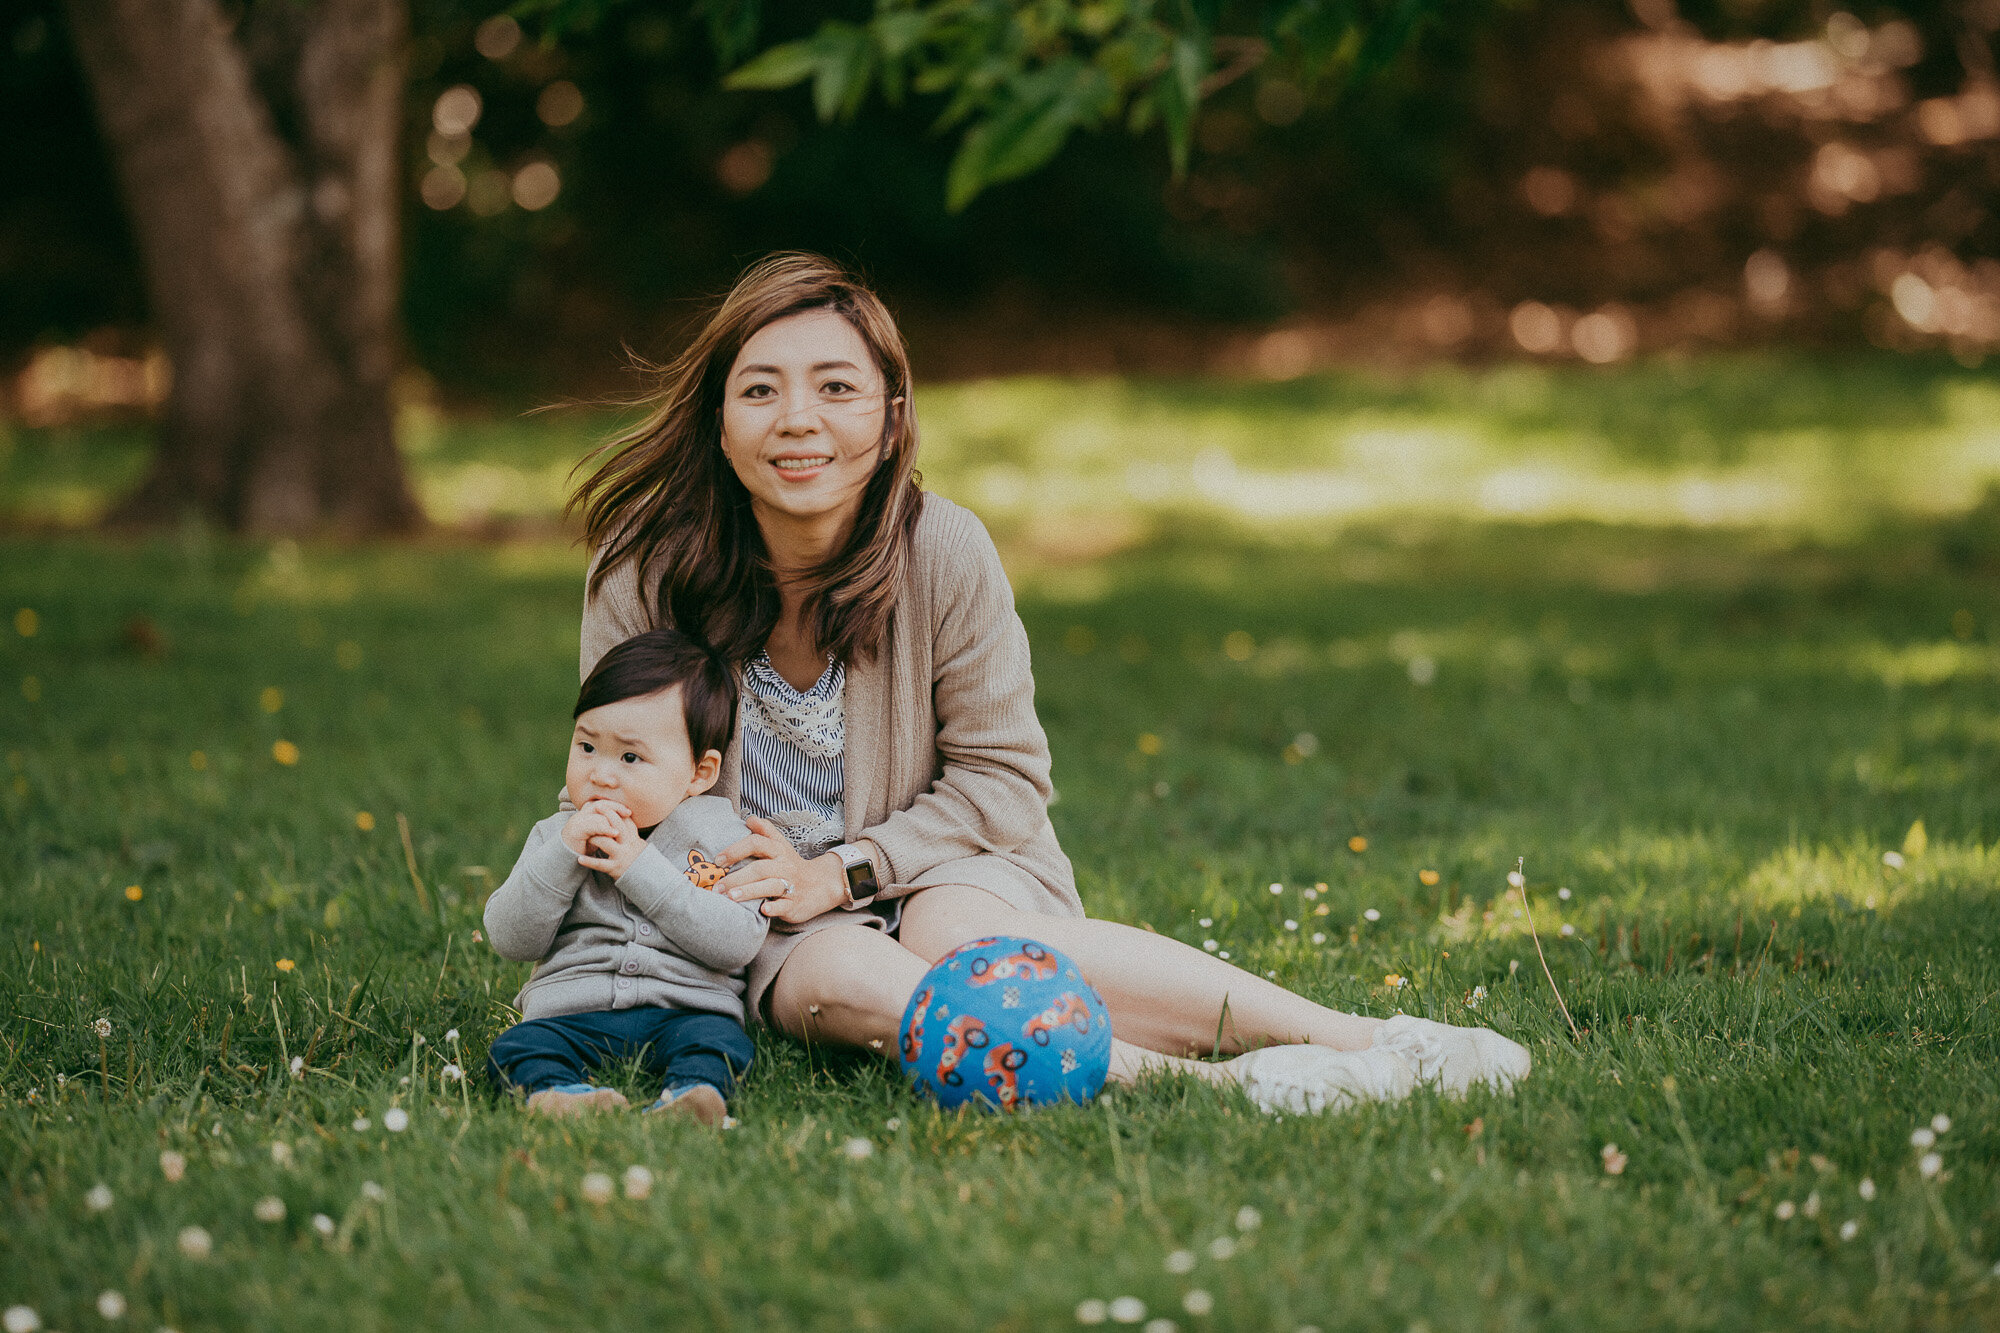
[{"x": 800, "y": 416}]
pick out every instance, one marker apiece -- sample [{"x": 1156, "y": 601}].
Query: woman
[{"x": 887, "y": 757}]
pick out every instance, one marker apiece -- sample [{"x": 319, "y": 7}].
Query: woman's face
[{"x": 802, "y": 416}]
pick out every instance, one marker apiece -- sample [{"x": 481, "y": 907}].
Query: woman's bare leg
[
  {"x": 1164, "y": 995},
  {"x": 847, "y": 985},
  {"x": 851, "y": 984}
]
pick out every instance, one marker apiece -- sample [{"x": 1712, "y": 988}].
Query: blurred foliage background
[{"x": 1562, "y": 180}]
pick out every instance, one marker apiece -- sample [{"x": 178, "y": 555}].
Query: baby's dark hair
[{"x": 660, "y": 659}]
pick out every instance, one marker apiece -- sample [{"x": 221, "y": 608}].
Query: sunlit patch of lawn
[{"x": 1826, "y": 441}]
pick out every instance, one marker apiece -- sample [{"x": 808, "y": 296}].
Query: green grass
[{"x": 1709, "y": 739}]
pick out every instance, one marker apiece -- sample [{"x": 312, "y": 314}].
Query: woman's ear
[
  {"x": 888, "y": 426},
  {"x": 706, "y": 770}
]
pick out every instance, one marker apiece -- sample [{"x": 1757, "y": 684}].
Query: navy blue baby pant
[{"x": 679, "y": 1046}]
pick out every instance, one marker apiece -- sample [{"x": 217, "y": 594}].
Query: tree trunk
[{"x": 258, "y": 158}]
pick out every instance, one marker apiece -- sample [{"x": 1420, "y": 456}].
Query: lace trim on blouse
[{"x": 813, "y": 723}]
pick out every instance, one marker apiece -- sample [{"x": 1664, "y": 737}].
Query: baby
[{"x": 638, "y": 956}]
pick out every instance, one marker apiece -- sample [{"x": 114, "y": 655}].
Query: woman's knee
[
  {"x": 843, "y": 983},
  {"x": 940, "y": 919}
]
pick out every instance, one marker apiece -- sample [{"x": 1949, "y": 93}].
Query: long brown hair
[{"x": 665, "y": 491}]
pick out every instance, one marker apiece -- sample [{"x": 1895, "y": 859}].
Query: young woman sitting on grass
[{"x": 887, "y": 756}]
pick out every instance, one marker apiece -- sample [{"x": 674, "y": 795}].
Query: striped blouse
[{"x": 794, "y": 745}]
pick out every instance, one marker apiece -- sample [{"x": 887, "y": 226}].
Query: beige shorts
[{"x": 996, "y": 874}]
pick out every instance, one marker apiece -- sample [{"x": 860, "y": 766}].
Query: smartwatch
[{"x": 861, "y": 885}]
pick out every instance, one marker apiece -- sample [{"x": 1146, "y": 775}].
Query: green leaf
[
  {"x": 1190, "y": 64},
  {"x": 1176, "y": 92},
  {"x": 846, "y": 58},
  {"x": 1035, "y": 118},
  {"x": 897, "y": 34},
  {"x": 780, "y": 67}
]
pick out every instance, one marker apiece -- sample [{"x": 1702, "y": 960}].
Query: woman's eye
[
  {"x": 838, "y": 386},
  {"x": 758, "y": 391}
]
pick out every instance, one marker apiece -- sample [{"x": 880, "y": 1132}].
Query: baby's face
[{"x": 636, "y": 752}]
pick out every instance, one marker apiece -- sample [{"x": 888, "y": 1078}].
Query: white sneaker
[
  {"x": 1453, "y": 1058},
  {"x": 1306, "y": 1080}
]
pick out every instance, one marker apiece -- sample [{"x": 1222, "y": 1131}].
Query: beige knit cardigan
[{"x": 946, "y": 765}]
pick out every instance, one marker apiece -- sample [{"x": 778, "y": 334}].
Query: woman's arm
[
  {"x": 614, "y": 613},
  {"x": 993, "y": 792}
]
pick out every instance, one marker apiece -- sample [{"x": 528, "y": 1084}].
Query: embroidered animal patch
[{"x": 705, "y": 874}]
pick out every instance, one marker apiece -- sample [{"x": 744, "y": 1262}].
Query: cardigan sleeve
[
  {"x": 524, "y": 914},
  {"x": 992, "y": 793}
]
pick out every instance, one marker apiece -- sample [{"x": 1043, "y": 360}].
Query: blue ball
[{"x": 1007, "y": 1022}]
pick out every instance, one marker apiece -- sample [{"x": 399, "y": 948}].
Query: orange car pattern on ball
[
  {"x": 1069, "y": 1009},
  {"x": 963, "y": 1033},
  {"x": 1001, "y": 1062},
  {"x": 913, "y": 1031},
  {"x": 1031, "y": 963}
]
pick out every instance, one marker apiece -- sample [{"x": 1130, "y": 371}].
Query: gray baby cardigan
[{"x": 650, "y": 938}]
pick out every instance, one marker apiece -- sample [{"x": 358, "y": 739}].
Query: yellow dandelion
[
  {"x": 134, "y": 893},
  {"x": 286, "y": 964},
  {"x": 1427, "y": 878},
  {"x": 26, "y": 622},
  {"x": 1149, "y": 743},
  {"x": 272, "y": 699},
  {"x": 1357, "y": 843},
  {"x": 285, "y": 753},
  {"x": 198, "y": 761},
  {"x": 364, "y": 821},
  {"x": 1395, "y": 980}
]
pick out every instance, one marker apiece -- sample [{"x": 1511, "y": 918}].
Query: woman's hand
[{"x": 792, "y": 888}]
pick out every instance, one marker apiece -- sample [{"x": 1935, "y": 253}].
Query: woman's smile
[{"x": 801, "y": 467}]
